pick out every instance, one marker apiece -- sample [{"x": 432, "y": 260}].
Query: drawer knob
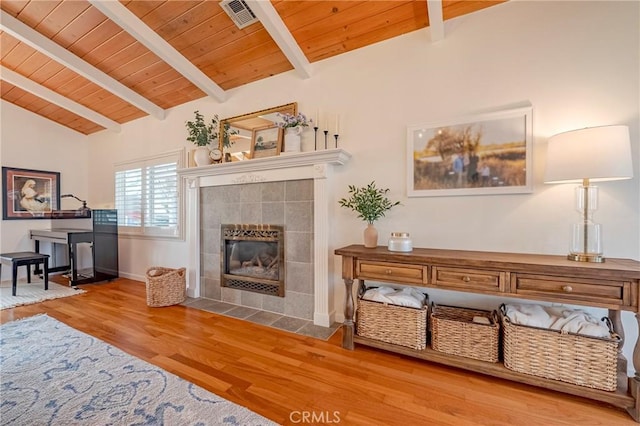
[
  {"x": 388, "y": 271},
  {"x": 466, "y": 278},
  {"x": 567, "y": 288}
]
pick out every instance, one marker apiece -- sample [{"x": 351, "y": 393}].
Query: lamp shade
[{"x": 594, "y": 153}]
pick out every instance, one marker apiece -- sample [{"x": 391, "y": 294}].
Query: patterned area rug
[
  {"x": 34, "y": 292},
  {"x": 53, "y": 374}
]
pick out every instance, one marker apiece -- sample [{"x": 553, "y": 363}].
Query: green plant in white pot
[
  {"x": 370, "y": 203},
  {"x": 202, "y": 134}
]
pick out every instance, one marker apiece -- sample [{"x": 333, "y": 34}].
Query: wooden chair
[{"x": 25, "y": 258}]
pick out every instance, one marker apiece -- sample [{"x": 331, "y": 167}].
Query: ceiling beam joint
[
  {"x": 436, "y": 20},
  {"x": 279, "y": 32}
]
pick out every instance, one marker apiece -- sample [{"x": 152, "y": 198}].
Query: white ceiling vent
[{"x": 239, "y": 12}]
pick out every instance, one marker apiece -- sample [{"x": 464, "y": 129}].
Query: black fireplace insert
[{"x": 252, "y": 258}]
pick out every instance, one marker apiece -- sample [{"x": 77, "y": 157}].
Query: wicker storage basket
[
  {"x": 568, "y": 357},
  {"x": 399, "y": 325},
  {"x": 165, "y": 286},
  {"x": 454, "y": 332}
]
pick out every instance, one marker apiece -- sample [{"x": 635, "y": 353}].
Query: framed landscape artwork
[
  {"x": 29, "y": 194},
  {"x": 266, "y": 142},
  {"x": 476, "y": 155}
]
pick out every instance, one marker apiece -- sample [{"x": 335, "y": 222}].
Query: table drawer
[
  {"x": 468, "y": 279},
  {"x": 394, "y": 272},
  {"x": 573, "y": 289}
]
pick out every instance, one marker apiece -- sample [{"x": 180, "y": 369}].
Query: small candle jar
[{"x": 400, "y": 241}]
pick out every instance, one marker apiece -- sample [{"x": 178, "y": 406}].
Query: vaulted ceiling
[{"x": 92, "y": 64}]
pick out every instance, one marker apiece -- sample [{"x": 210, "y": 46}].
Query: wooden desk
[{"x": 613, "y": 285}]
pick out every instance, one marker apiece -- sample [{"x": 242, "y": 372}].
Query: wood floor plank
[{"x": 285, "y": 376}]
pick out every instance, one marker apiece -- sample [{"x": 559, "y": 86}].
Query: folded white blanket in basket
[
  {"x": 577, "y": 321},
  {"x": 532, "y": 315},
  {"x": 406, "y": 297},
  {"x": 557, "y": 318}
]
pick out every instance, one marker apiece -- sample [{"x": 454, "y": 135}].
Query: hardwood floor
[{"x": 293, "y": 379}]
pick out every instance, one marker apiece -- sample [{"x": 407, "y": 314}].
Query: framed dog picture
[{"x": 29, "y": 194}]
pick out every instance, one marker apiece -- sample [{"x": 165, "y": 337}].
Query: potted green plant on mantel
[
  {"x": 370, "y": 203},
  {"x": 202, "y": 134}
]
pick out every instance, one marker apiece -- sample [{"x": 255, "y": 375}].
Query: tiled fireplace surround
[
  {"x": 287, "y": 203},
  {"x": 290, "y": 190}
]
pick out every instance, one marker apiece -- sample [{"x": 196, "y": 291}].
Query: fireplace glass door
[{"x": 253, "y": 258}]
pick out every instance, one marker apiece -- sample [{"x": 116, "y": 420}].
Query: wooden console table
[{"x": 613, "y": 285}]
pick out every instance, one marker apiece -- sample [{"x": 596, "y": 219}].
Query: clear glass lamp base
[{"x": 586, "y": 243}]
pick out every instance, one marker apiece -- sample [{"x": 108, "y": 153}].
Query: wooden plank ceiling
[{"x": 97, "y": 75}]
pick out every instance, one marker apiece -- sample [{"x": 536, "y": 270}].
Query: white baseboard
[{"x": 134, "y": 277}]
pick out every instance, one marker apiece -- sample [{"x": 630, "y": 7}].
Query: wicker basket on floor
[
  {"x": 165, "y": 286},
  {"x": 453, "y": 331},
  {"x": 568, "y": 357},
  {"x": 394, "y": 324}
]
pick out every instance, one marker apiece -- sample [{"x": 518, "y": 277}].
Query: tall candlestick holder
[
  {"x": 336, "y": 136},
  {"x": 315, "y": 137},
  {"x": 326, "y": 133}
]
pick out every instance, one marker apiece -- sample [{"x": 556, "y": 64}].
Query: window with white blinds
[{"x": 148, "y": 196}]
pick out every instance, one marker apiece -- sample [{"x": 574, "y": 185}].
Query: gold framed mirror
[{"x": 238, "y": 132}]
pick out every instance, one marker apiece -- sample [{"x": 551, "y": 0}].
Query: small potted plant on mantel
[
  {"x": 370, "y": 203},
  {"x": 202, "y": 134}
]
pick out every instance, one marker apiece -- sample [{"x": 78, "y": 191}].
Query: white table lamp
[{"x": 584, "y": 156}]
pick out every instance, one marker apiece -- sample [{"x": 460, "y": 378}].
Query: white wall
[{"x": 29, "y": 141}]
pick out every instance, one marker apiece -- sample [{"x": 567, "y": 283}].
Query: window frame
[{"x": 153, "y": 232}]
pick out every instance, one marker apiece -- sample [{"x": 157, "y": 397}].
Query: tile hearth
[{"x": 271, "y": 319}]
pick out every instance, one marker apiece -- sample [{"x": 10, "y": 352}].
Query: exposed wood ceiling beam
[
  {"x": 49, "y": 95},
  {"x": 42, "y": 44},
  {"x": 103, "y": 56},
  {"x": 274, "y": 25},
  {"x": 129, "y": 22},
  {"x": 436, "y": 20}
]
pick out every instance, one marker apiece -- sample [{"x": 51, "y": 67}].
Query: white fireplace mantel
[{"x": 316, "y": 165}]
